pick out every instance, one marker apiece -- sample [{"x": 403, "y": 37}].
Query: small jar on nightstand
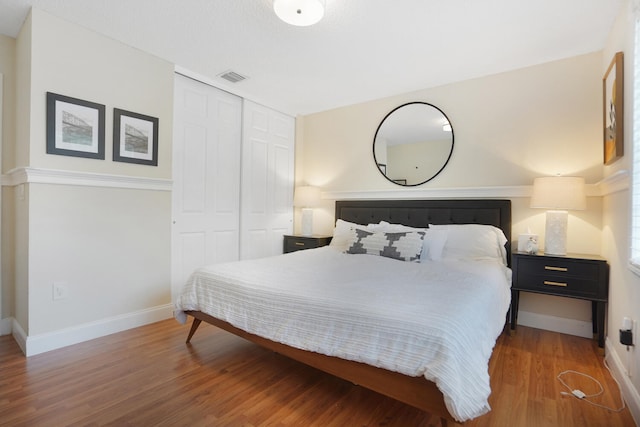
[{"x": 297, "y": 243}]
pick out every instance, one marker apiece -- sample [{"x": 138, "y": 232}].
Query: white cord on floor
[{"x": 578, "y": 394}]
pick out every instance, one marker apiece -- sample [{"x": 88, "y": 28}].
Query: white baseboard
[
  {"x": 5, "y": 326},
  {"x": 556, "y": 324},
  {"x": 36, "y": 344},
  {"x": 619, "y": 372}
]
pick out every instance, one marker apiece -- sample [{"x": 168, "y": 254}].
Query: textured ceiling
[{"x": 361, "y": 50}]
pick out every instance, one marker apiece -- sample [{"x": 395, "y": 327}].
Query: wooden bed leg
[{"x": 194, "y": 327}]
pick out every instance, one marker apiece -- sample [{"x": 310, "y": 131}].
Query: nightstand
[
  {"x": 298, "y": 243},
  {"x": 573, "y": 275}
]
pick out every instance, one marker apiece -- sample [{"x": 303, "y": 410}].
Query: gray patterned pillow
[{"x": 404, "y": 246}]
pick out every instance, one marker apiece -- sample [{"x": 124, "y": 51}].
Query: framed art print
[
  {"x": 135, "y": 138},
  {"x": 613, "y": 105},
  {"x": 75, "y": 127}
]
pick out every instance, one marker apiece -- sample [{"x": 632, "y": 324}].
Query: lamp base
[
  {"x": 307, "y": 221},
  {"x": 555, "y": 238}
]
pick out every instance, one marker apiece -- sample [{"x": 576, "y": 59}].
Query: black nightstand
[
  {"x": 298, "y": 243},
  {"x": 574, "y": 276}
]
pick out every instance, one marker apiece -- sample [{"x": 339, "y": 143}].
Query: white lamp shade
[
  {"x": 306, "y": 196},
  {"x": 301, "y": 13},
  {"x": 559, "y": 193}
]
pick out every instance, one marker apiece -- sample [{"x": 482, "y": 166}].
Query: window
[{"x": 634, "y": 262}]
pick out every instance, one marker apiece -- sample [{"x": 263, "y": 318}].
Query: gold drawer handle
[
  {"x": 299, "y": 243},
  {"x": 550, "y": 283},
  {"x": 546, "y": 267}
]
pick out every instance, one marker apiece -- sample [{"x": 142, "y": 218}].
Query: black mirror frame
[{"x": 379, "y": 165}]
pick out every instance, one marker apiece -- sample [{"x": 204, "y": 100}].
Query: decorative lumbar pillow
[
  {"x": 403, "y": 246},
  {"x": 342, "y": 234},
  {"x": 434, "y": 239}
]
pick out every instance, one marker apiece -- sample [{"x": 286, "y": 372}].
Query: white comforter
[{"x": 438, "y": 319}]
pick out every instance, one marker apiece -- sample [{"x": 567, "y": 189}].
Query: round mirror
[{"x": 413, "y": 143}]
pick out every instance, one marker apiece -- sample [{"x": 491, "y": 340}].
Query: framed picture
[
  {"x": 135, "y": 138},
  {"x": 613, "y": 105},
  {"x": 74, "y": 127}
]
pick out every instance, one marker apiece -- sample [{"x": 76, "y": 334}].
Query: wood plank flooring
[{"x": 148, "y": 376}]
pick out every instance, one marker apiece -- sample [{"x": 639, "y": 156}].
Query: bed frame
[{"x": 414, "y": 391}]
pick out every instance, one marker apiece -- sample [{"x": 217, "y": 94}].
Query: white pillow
[
  {"x": 402, "y": 245},
  {"x": 434, "y": 239},
  {"x": 473, "y": 241},
  {"x": 342, "y": 233}
]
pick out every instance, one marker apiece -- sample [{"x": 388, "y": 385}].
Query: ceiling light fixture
[{"x": 301, "y": 13}]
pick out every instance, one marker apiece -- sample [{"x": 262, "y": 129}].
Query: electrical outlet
[{"x": 60, "y": 290}]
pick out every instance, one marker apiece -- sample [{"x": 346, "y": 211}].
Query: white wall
[
  {"x": 20, "y": 147},
  {"x": 98, "y": 69},
  {"x": 7, "y": 136},
  {"x": 624, "y": 292},
  {"x": 107, "y": 245},
  {"x": 509, "y": 128},
  {"x": 101, "y": 228},
  {"x": 7, "y": 69}
]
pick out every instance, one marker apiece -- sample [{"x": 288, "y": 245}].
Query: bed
[{"x": 340, "y": 334}]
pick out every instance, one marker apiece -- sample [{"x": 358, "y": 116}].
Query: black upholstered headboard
[{"x": 421, "y": 213}]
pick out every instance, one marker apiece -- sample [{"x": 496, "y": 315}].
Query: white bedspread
[{"x": 438, "y": 319}]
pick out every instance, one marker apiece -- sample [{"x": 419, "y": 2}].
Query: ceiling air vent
[{"x": 232, "y": 76}]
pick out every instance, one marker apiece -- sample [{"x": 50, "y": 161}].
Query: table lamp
[
  {"x": 306, "y": 197},
  {"x": 558, "y": 194}
]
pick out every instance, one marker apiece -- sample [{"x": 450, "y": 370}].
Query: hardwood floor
[{"x": 149, "y": 377}]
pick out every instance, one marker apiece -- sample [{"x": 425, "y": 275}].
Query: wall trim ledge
[
  {"x": 28, "y": 175},
  {"x": 616, "y": 182},
  {"x": 36, "y": 344},
  {"x": 494, "y": 192},
  {"x": 618, "y": 371},
  {"x": 432, "y": 193}
]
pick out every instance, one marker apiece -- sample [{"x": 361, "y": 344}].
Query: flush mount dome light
[{"x": 301, "y": 13}]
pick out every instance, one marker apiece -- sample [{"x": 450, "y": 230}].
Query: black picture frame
[
  {"x": 613, "y": 110},
  {"x": 135, "y": 138},
  {"x": 75, "y": 127}
]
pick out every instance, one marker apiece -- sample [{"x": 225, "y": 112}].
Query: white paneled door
[
  {"x": 206, "y": 178},
  {"x": 267, "y": 180}
]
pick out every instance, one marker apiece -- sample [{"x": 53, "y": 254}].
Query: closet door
[
  {"x": 206, "y": 178},
  {"x": 267, "y": 180}
]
